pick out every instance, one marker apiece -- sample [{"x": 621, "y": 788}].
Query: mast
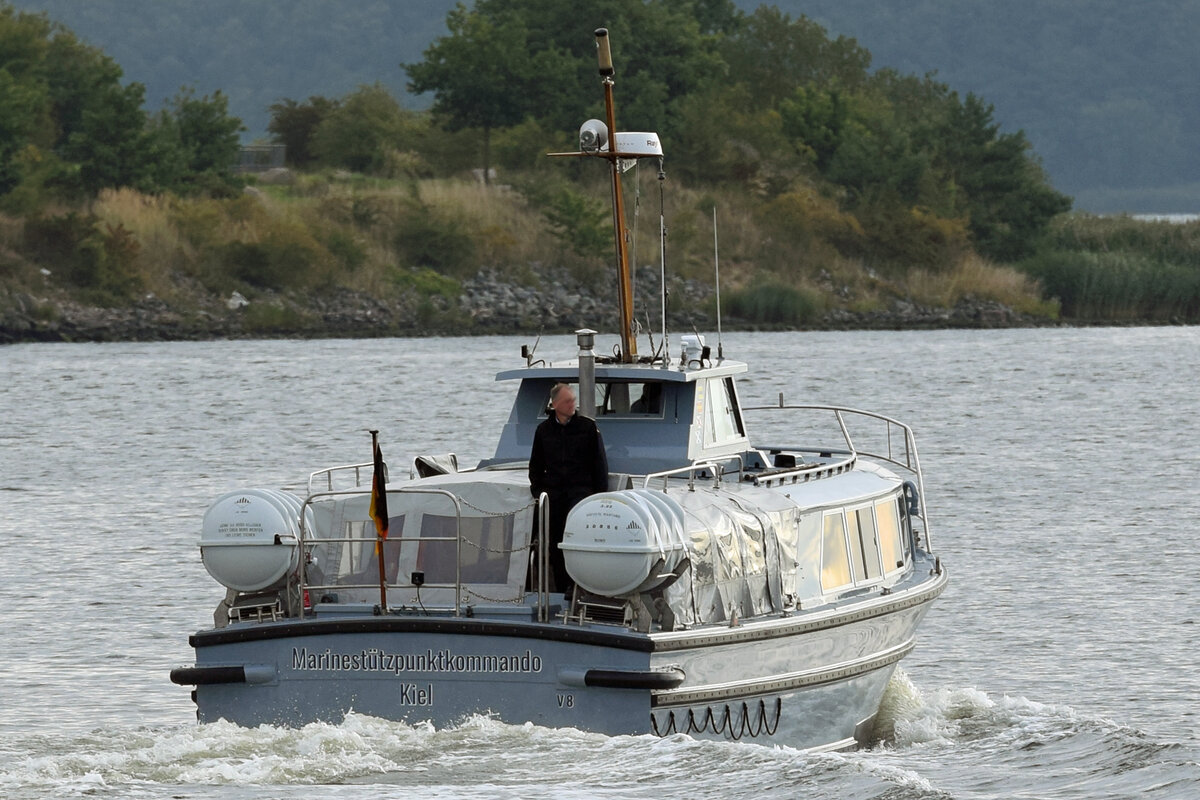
[
  {"x": 624, "y": 280},
  {"x": 599, "y": 139}
]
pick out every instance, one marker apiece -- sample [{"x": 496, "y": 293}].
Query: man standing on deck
[{"x": 568, "y": 463}]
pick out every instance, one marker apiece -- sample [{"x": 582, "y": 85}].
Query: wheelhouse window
[
  {"x": 724, "y": 421},
  {"x": 835, "y": 561},
  {"x": 629, "y": 399},
  {"x": 864, "y": 543},
  {"x": 858, "y": 547},
  {"x": 887, "y": 518}
]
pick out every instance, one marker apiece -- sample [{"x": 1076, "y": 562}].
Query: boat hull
[
  {"x": 813, "y": 683},
  {"x": 416, "y": 670},
  {"x": 812, "y": 680}
]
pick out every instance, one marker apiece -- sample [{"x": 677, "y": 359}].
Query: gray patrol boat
[{"x": 725, "y": 586}]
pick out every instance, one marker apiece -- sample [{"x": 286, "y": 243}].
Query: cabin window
[
  {"x": 629, "y": 399},
  {"x": 864, "y": 543},
  {"x": 724, "y": 421},
  {"x": 486, "y": 548},
  {"x": 835, "y": 561},
  {"x": 891, "y": 549}
]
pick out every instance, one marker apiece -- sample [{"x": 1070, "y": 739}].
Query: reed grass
[
  {"x": 147, "y": 219},
  {"x": 773, "y": 303},
  {"x": 1159, "y": 240},
  {"x": 1119, "y": 286},
  {"x": 1121, "y": 269},
  {"x": 976, "y": 277}
]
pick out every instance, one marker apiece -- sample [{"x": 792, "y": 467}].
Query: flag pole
[{"x": 379, "y": 513}]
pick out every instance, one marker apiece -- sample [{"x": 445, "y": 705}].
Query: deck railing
[
  {"x": 717, "y": 470},
  {"x": 900, "y": 448},
  {"x": 326, "y": 476},
  {"x": 399, "y": 540},
  {"x": 543, "y": 557}
]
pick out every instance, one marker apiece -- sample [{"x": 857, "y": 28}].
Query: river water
[{"x": 1060, "y": 471}]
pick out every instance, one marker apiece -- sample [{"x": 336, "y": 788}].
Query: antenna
[
  {"x": 527, "y": 353},
  {"x": 717, "y": 269},
  {"x": 662, "y": 238}
]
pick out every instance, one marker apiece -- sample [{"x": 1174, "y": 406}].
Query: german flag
[
  {"x": 379, "y": 513},
  {"x": 379, "y": 509}
]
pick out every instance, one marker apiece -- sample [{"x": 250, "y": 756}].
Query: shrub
[
  {"x": 773, "y": 304},
  {"x": 426, "y": 237},
  {"x": 426, "y": 283},
  {"x": 804, "y": 215},
  {"x": 279, "y": 261},
  {"x": 579, "y": 221},
  {"x": 904, "y": 238},
  {"x": 344, "y": 247},
  {"x": 200, "y": 221},
  {"x": 94, "y": 256}
]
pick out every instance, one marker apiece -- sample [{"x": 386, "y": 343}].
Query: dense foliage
[
  {"x": 846, "y": 188},
  {"x": 1098, "y": 86},
  {"x": 759, "y": 100},
  {"x": 69, "y": 127}
]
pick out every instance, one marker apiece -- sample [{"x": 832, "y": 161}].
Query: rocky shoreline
[{"x": 488, "y": 304}]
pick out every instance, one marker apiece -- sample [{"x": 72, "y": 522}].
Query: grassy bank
[{"x": 411, "y": 245}]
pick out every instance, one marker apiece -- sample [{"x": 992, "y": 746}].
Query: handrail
[
  {"x": 543, "y": 557},
  {"x": 328, "y": 473},
  {"x": 457, "y": 538},
  {"x": 718, "y": 470},
  {"x": 911, "y": 458},
  {"x": 690, "y": 469}
]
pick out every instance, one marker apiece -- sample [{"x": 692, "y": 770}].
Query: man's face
[{"x": 564, "y": 403}]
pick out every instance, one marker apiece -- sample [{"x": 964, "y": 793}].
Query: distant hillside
[
  {"x": 255, "y": 52},
  {"x": 1104, "y": 89}
]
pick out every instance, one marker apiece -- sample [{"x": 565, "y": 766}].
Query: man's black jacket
[{"x": 568, "y": 457}]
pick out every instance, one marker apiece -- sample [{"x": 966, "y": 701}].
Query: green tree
[
  {"x": 19, "y": 107},
  {"x": 191, "y": 145},
  {"x": 208, "y": 133},
  {"x": 100, "y": 123},
  {"x": 773, "y": 55},
  {"x": 360, "y": 131},
  {"x": 726, "y": 138},
  {"x": 815, "y": 120},
  {"x": 1005, "y": 194},
  {"x": 24, "y": 118},
  {"x": 67, "y": 122},
  {"x": 511, "y": 60},
  {"x": 69, "y": 126},
  {"x": 165, "y": 159},
  {"x": 485, "y": 74},
  {"x": 663, "y": 51},
  {"x": 293, "y": 125}
]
